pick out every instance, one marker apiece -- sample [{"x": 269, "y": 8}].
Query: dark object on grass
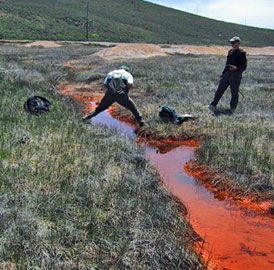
[
  {"x": 222, "y": 111},
  {"x": 37, "y": 105},
  {"x": 169, "y": 114}
]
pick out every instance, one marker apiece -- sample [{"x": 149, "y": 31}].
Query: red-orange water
[{"x": 235, "y": 238}]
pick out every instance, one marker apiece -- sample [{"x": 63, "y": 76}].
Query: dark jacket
[{"x": 236, "y": 58}]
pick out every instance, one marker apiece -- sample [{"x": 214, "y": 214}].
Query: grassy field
[
  {"x": 240, "y": 146},
  {"x": 120, "y": 21},
  {"x": 74, "y": 196}
]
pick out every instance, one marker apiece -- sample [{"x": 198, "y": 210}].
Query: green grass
[
  {"x": 74, "y": 196},
  {"x": 120, "y": 21},
  {"x": 240, "y": 146}
]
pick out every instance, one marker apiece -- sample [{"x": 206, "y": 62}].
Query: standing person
[
  {"x": 118, "y": 83},
  {"x": 236, "y": 64}
]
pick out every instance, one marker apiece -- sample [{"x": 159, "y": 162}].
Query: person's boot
[
  {"x": 88, "y": 115},
  {"x": 141, "y": 123},
  {"x": 212, "y": 108},
  {"x": 232, "y": 110}
]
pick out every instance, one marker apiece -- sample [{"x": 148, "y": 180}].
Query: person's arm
[
  {"x": 226, "y": 64},
  {"x": 129, "y": 86},
  {"x": 106, "y": 81},
  {"x": 242, "y": 61},
  {"x": 129, "y": 81}
]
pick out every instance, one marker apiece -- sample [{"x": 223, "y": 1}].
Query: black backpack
[
  {"x": 37, "y": 105},
  {"x": 167, "y": 113},
  {"x": 117, "y": 86}
]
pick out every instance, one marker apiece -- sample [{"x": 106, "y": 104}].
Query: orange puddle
[{"x": 236, "y": 236}]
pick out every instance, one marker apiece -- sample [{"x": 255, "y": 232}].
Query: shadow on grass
[{"x": 222, "y": 111}]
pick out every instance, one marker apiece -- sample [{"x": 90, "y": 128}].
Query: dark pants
[
  {"x": 123, "y": 99},
  {"x": 232, "y": 79}
]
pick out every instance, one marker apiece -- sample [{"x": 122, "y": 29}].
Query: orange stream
[{"x": 236, "y": 237}]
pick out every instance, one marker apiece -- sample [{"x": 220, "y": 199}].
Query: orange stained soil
[
  {"x": 224, "y": 190},
  {"x": 79, "y": 91},
  {"x": 236, "y": 235}
]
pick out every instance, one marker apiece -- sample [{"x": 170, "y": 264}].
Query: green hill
[{"x": 118, "y": 21}]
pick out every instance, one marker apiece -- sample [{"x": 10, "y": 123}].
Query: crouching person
[{"x": 118, "y": 83}]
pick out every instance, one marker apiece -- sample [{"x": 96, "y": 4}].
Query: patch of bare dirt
[
  {"x": 217, "y": 50},
  {"x": 135, "y": 50},
  {"x": 193, "y": 49},
  {"x": 131, "y": 50},
  {"x": 260, "y": 51},
  {"x": 44, "y": 43}
]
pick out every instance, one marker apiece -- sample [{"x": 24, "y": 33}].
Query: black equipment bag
[
  {"x": 117, "y": 86},
  {"x": 169, "y": 114},
  {"x": 37, "y": 105}
]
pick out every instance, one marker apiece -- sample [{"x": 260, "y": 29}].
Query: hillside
[{"x": 119, "y": 21}]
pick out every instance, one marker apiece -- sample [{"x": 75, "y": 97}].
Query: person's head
[
  {"x": 235, "y": 42},
  {"x": 125, "y": 67}
]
